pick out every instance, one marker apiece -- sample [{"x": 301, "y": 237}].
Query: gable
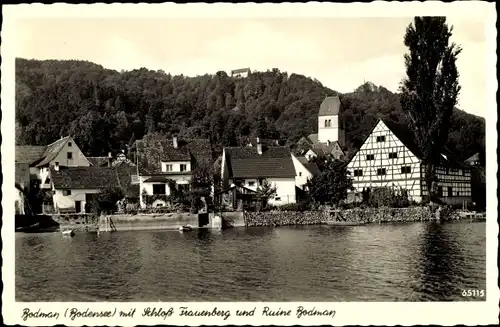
[
  {"x": 381, "y": 149},
  {"x": 57, "y": 152}
]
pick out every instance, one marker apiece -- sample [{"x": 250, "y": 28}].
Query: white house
[
  {"x": 174, "y": 161},
  {"x": 63, "y": 153},
  {"x": 390, "y": 158},
  {"x": 304, "y": 170},
  {"x": 251, "y": 166},
  {"x": 75, "y": 187}
]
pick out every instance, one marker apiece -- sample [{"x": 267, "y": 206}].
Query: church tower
[{"x": 331, "y": 124}]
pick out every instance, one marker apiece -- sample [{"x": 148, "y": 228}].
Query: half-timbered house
[{"x": 389, "y": 157}]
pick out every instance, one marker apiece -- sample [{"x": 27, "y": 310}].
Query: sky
[{"x": 342, "y": 53}]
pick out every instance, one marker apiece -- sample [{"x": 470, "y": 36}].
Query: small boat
[
  {"x": 68, "y": 232},
  {"x": 343, "y": 223},
  {"x": 185, "y": 228}
]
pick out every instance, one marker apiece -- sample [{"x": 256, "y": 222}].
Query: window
[
  {"x": 159, "y": 189},
  {"x": 183, "y": 167},
  {"x": 393, "y": 155},
  {"x": 381, "y": 171},
  {"x": 358, "y": 172},
  {"x": 370, "y": 157},
  {"x": 277, "y": 198},
  {"x": 252, "y": 183},
  {"x": 381, "y": 138},
  {"x": 300, "y": 173},
  {"x": 70, "y": 155},
  {"x": 67, "y": 192},
  {"x": 70, "y": 144},
  {"x": 406, "y": 170},
  {"x": 326, "y": 123},
  {"x": 166, "y": 168}
]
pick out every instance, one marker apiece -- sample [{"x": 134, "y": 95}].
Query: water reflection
[{"x": 398, "y": 262}]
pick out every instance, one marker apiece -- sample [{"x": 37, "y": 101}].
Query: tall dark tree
[
  {"x": 330, "y": 187},
  {"x": 430, "y": 90}
]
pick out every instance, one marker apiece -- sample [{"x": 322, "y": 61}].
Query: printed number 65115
[{"x": 469, "y": 293}]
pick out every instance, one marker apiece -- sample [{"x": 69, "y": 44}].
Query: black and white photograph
[{"x": 249, "y": 164}]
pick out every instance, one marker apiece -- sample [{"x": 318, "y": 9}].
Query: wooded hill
[{"x": 105, "y": 110}]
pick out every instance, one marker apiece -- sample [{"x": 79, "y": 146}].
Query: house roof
[
  {"x": 406, "y": 136},
  {"x": 310, "y": 166},
  {"x": 98, "y": 161},
  {"x": 29, "y": 154},
  {"x": 313, "y": 138},
  {"x": 330, "y": 106},
  {"x": 84, "y": 178},
  {"x": 245, "y": 162},
  {"x": 159, "y": 149},
  {"x": 473, "y": 158}
]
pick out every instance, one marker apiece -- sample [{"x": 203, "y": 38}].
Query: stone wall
[
  {"x": 283, "y": 218},
  {"x": 367, "y": 215}
]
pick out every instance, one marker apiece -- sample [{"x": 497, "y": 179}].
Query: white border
[{"x": 347, "y": 313}]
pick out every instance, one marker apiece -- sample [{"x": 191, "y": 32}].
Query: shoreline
[{"x": 172, "y": 221}]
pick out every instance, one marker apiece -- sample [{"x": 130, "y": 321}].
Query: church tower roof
[{"x": 330, "y": 106}]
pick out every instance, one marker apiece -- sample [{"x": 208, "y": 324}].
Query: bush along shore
[{"x": 366, "y": 215}]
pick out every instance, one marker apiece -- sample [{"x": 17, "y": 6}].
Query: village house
[
  {"x": 249, "y": 167},
  {"x": 61, "y": 153},
  {"x": 389, "y": 157},
  {"x": 167, "y": 163},
  {"x": 74, "y": 188},
  {"x": 305, "y": 171},
  {"x": 330, "y": 139}
]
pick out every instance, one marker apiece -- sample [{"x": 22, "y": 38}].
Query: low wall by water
[
  {"x": 122, "y": 222},
  {"x": 366, "y": 215},
  {"x": 283, "y": 218}
]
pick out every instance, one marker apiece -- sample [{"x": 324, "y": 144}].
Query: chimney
[
  {"x": 259, "y": 146},
  {"x": 109, "y": 159},
  {"x": 56, "y": 166},
  {"x": 174, "y": 141},
  {"x": 328, "y": 142}
]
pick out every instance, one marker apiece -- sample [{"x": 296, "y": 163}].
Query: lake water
[{"x": 386, "y": 262}]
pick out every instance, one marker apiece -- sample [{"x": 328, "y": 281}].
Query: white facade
[
  {"x": 63, "y": 200},
  {"x": 328, "y": 128},
  {"x": 285, "y": 188},
  {"x": 285, "y": 191},
  {"x": 18, "y": 201},
  {"x": 70, "y": 156},
  {"x": 384, "y": 161},
  {"x": 149, "y": 187},
  {"x": 176, "y": 166},
  {"x": 302, "y": 173}
]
